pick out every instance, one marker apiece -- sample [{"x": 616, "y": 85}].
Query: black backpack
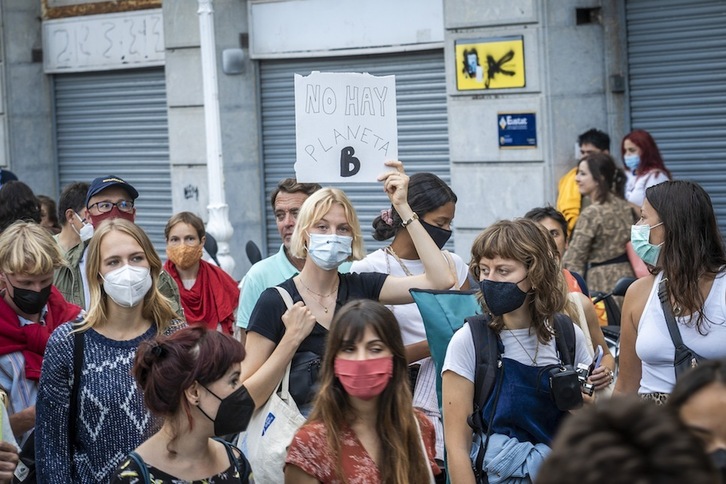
[{"x": 488, "y": 349}]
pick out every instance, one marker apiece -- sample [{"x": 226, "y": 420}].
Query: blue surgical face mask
[
  {"x": 640, "y": 238},
  {"x": 632, "y": 161},
  {"x": 328, "y": 251}
]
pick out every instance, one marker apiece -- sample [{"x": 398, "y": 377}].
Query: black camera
[{"x": 565, "y": 388}]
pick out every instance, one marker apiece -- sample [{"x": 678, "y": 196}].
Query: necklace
[
  {"x": 536, "y": 348},
  {"x": 389, "y": 250},
  {"x": 319, "y": 296}
]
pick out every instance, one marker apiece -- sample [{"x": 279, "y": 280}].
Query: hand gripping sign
[{"x": 345, "y": 127}]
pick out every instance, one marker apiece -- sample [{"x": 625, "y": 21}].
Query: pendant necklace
[
  {"x": 319, "y": 297},
  {"x": 536, "y": 348}
]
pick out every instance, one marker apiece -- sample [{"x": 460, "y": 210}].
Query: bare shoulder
[
  {"x": 636, "y": 298},
  {"x": 641, "y": 287}
]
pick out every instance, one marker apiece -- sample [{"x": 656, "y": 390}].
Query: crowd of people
[{"x": 116, "y": 367}]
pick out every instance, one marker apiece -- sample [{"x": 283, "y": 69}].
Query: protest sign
[{"x": 345, "y": 127}]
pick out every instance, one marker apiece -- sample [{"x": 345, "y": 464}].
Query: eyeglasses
[{"x": 105, "y": 207}]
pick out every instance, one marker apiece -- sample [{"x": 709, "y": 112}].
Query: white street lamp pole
[{"x": 219, "y": 225}]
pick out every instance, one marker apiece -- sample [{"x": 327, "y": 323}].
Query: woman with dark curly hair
[
  {"x": 522, "y": 290},
  {"x": 625, "y": 440},
  {"x": 18, "y": 202}
]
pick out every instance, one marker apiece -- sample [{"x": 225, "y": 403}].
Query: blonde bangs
[
  {"x": 27, "y": 248},
  {"x": 314, "y": 209}
]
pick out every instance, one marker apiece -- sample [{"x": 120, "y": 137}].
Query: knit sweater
[{"x": 112, "y": 417}]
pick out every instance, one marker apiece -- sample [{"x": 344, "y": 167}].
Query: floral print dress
[{"x": 308, "y": 451}]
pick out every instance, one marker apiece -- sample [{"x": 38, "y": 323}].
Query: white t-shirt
[
  {"x": 636, "y": 185},
  {"x": 408, "y": 316},
  {"x": 460, "y": 357},
  {"x": 655, "y": 348}
]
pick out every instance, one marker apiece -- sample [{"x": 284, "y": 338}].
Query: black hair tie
[{"x": 159, "y": 350}]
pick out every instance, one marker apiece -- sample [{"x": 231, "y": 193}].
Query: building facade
[{"x": 91, "y": 88}]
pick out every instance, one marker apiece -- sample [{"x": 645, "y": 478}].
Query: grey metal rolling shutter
[
  {"x": 423, "y": 143},
  {"x": 115, "y": 123},
  {"x": 677, "y": 68}
]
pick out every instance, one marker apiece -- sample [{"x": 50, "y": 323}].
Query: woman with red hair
[{"x": 643, "y": 165}]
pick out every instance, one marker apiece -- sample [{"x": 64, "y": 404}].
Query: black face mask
[
  {"x": 440, "y": 236},
  {"x": 234, "y": 413},
  {"x": 28, "y": 301},
  {"x": 502, "y": 297}
]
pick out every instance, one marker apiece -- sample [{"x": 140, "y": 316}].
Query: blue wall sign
[{"x": 517, "y": 130}]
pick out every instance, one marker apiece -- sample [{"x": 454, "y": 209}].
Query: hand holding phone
[{"x": 597, "y": 359}]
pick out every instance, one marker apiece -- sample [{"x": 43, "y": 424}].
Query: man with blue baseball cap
[{"x": 108, "y": 197}]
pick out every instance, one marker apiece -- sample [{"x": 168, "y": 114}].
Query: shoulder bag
[
  {"x": 685, "y": 358},
  {"x": 271, "y": 429}
]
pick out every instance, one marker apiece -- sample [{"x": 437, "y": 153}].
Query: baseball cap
[{"x": 103, "y": 182}]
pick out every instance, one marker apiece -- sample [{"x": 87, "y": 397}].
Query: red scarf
[
  {"x": 212, "y": 299},
  {"x": 31, "y": 339}
]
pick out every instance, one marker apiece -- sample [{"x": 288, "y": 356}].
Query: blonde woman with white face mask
[
  {"x": 327, "y": 234},
  {"x": 125, "y": 309}
]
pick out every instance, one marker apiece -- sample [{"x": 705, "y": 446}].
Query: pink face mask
[
  {"x": 364, "y": 379},
  {"x": 114, "y": 213}
]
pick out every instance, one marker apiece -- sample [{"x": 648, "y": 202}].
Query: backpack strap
[
  {"x": 143, "y": 469},
  {"x": 78, "y": 347},
  {"x": 565, "y": 338},
  {"x": 488, "y": 350}
]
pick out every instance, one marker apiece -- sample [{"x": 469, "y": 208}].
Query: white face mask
[
  {"x": 86, "y": 231},
  {"x": 127, "y": 285},
  {"x": 329, "y": 251}
]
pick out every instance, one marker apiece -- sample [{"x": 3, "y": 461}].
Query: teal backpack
[{"x": 443, "y": 313}]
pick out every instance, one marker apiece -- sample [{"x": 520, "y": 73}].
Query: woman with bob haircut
[
  {"x": 191, "y": 380},
  {"x": 597, "y": 247},
  {"x": 521, "y": 289},
  {"x": 678, "y": 238},
  {"x": 643, "y": 165},
  {"x": 208, "y": 294},
  {"x": 326, "y": 234},
  {"x": 125, "y": 309},
  {"x": 30, "y": 309},
  {"x": 363, "y": 427}
]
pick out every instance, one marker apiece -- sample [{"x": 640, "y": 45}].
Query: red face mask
[
  {"x": 114, "y": 213},
  {"x": 364, "y": 379}
]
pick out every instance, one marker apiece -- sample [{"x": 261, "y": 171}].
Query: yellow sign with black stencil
[{"x": 496, "y": 63}]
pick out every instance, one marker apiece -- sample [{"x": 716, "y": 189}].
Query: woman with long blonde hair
[
  {"x": 125, "y": 309},
  {"x": 363, "y": 425}
]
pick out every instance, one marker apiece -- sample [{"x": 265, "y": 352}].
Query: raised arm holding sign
[{"x": 345, "y": 126}]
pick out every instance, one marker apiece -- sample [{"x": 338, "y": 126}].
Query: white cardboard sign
[{"x": 345, "y": 127}]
